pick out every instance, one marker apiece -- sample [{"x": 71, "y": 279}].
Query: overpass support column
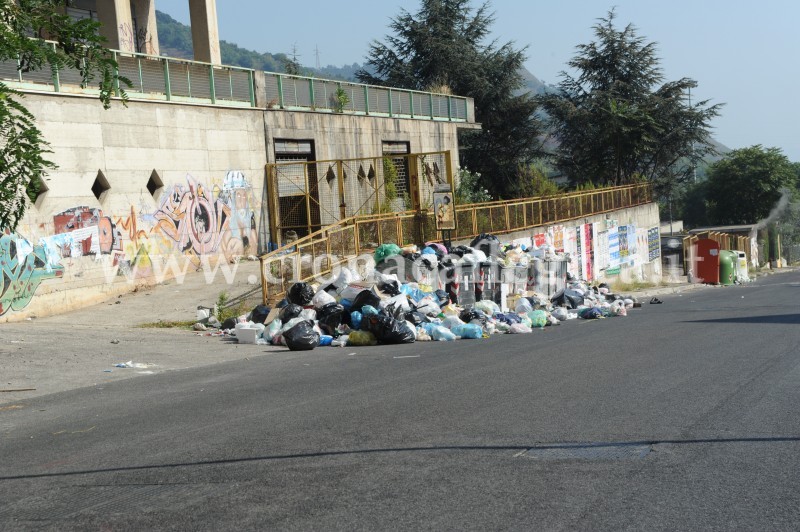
[
  {"x": 144, "y": 12},
  {"x": 205, "y": 32},
  {"x": 116, "y": 24}
]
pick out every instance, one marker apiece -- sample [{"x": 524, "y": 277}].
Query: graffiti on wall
[
  {"x": 23, "y": 267},
  {"x": 201, "y": 221},
  {"x": 192, "y": 220}
]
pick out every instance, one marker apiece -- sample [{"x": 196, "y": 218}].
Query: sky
[{"x": 742, "y": 54}]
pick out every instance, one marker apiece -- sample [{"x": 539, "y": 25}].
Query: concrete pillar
[
  {"x": 116, "y": 24},
  {"x": 205, "y": 32},
  {"x": 147, "y": 32}
]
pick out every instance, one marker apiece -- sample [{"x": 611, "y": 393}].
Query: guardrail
[
  {"x": 318, "y": 254},
  {"x": 152, "y": 78},
  {"x": 284, "y": 91}
]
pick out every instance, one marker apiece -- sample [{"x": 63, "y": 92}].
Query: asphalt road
[{"x": 681, "y": 416}]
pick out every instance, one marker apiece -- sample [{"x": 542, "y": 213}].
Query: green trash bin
[{"x": 727, "y": 266}]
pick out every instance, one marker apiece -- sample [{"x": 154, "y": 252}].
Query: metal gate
[{"x": 305, "y": 196}]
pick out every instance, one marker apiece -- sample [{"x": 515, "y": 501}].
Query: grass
[
  {"x": 167, "y": 325},
  {"x": 633, "y": 286}
]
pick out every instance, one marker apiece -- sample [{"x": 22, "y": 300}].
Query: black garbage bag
[
  {"x": 390, "y": 288},
  {"x": 301, "y": 337},
  {"x": 230, "y": 323},
  {"x": 395, "y": 310},
  {"x": 365, "y": 297},
  {"x": 416, "y": 318},
  {"x": 487, "y": 243},
  {"x": 387, "y": 330},
  {"x": 567, "y": 298},
  {"x": 329, "y": 317},
  {"x": 300, "y": 294},
  {"x": 460, "y": 251},
  {"x": 289, "y": 312},
  {"x": 259, "y": 314},
  {"x": 442, "y": 297},
  {"x": 472, "y": 314}
]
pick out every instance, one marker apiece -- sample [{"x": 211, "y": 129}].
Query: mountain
[{"x": 175, "y": 40}]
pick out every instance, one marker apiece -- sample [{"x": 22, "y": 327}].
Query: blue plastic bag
[
  {"x": 468, "y": 331},
  {"x": 355, "y": 320}
]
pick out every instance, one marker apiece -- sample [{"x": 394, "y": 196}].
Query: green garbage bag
[
  {"x": 386, "y": 250},
  {"x": 538, "y": 318}
]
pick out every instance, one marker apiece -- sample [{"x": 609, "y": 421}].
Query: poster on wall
[
  {"x": 624, "y": 252},
  {"x": 653, "y": 244},
  {"x": 613, "y": 251},
  {"x": 558, "y": 238},
  {"x": 579, "y": 250},
  {"x": 601, "y": 251},
  {"x": 571, "y": 247},
  {"x": 587, "y": 244},
  {"x": 445, "y": 213},
  {"x": 633, "y": 249},
  {"x": 539, "y": 240}
]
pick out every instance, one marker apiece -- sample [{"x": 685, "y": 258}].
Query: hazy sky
[{"x": 743, "y": 54}]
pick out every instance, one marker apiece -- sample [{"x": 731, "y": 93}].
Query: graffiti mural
[
  {"x": 88, "y": 232},
  {"x": 201, "y": 221},
  {"x": 193, "y": 219},
  {"x": 238, "y": 195},
  {"x": 23, "y": 267}
]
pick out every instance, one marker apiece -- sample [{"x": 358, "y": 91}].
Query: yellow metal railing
[{"x": 316, "y": 256}]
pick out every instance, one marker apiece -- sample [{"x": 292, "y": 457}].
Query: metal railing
[
  {"x": 152, "y": 78},
  {"x": 284, "y": 91},
  {"x": 182, "y": 80},
  {"x": 318, "y": 254}
]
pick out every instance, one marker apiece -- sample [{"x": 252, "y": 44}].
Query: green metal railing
[
  {"x": 181, "y": 80},
  {"x": 152, "y": 78},
  {"x": 298, "y": 93}
]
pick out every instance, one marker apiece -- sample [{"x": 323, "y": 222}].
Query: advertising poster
[
  {"x": 624, "y": 252},
  {"x": 445, "y": 211},
  {"x": 613, "y": 251},
  {"x": 539, "y": 240},
  {"x": 653, "y": 244},
  {"x": 571, "y": 247},
  {"x": 601, "y": 251},
  {"x": 633, "y": 248},
  {"x": 558, "y": 238},
  {"x": 587, "y": 244}
]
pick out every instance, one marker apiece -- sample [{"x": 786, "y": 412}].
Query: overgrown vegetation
[{"x": 224, "y": 310}]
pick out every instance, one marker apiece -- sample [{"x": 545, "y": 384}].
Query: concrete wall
[{"x": 205, "y": 168}]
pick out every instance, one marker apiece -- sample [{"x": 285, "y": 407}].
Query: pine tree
[
  {"x": 441, "y": 48},
  {"x": 618, "y": 121}
]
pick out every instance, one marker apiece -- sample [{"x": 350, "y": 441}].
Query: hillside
[{"x": 175, "y": 40}]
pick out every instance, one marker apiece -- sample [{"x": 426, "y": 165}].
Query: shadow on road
[
  {"x": 446, "y": 448},
  {"x": 782, "y": 319}
]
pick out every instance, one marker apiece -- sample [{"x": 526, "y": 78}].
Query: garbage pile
[{"x": 414, "y": 296}]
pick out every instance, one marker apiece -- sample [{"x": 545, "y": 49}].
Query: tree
[
  {"x": 24, "y": 24},
  {"x": 745, "y": 185},
  {"x": 442, "y": 48},
  {"x": 617, "y": 121}
]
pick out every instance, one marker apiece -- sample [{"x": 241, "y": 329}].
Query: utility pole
[
  {"x": 316, "y": 53},
  {"x": 694, "y": 166}
]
